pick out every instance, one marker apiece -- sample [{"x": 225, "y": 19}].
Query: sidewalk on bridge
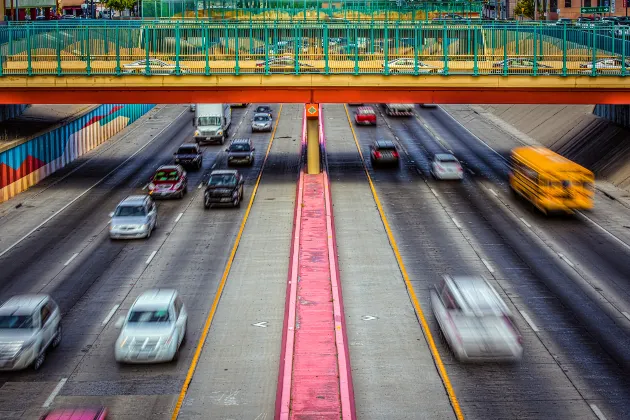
[{"x": 36, "y": 120}]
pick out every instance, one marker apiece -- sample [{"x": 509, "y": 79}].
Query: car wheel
[
  {"x": 39, "y": 361},
  {"x": 237, "y": 202},
  {"x": 149, "y": 233},
  {"x": 206, "y": 204},
  {"x": 222, "y": 140},
  {"x": 200, "y": 164},
  {"x": 57, "y": 340}
]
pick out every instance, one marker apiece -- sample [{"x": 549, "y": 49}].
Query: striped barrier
[{"x": 27, "y": 163}]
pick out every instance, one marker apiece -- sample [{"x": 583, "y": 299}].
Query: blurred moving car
[
  {"x": 153, "y": 329},
  {"x": 605, "y": 65},
  {"x": 563, "y": 21},
  {"x": 476, "y": 323},
  {"x": 155, "y": 67},
  {"x": 169, "y": 181},
  {"x": 240, "y": 151},
  {"x": 99, "y": 413},
  {"x": 193, "y": 107},
  {"x": 264, "y": 109},
  {"x": 134, "y": 217},
  {"x": 428, "y": 105},
  {"x": 383, "y": 152},
  {"x": 365, "y": 115},
  {"x": 408, "y": 65},
  {"x": 29, "y": 326},
  {"x": 286, "y": 65},
  {"x": 224, "y": 187},
  {"x": 262, "y": 122},
  {"x": 521, "y": 65},
  {"x": 189, "y": 155},
  {"x": 446, "y": 166}
]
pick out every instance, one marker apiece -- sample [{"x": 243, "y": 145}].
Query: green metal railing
[
  {"x": 207, "y": 48},
  {"x": 311, "y": 10}
]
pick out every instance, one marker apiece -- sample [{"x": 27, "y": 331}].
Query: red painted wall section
[{"x": 315, "y": 381}]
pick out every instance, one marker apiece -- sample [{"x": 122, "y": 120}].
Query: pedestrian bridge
[{"x": 313, "y": 62}]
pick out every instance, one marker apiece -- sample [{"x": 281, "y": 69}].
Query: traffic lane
[
  {"x": 238, "y": 368},
  {"x": 605, "y": 266},
  {"x": 31, "y": 207},
  {"x": 432, "y": 245},
  {"x": 471, "y": 211},
  {"x": 191, "y": 260}
]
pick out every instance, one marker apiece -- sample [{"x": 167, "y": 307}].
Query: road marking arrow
[
  {"x": 368, "y": 317},
  {"x": 262, "y": 324}
]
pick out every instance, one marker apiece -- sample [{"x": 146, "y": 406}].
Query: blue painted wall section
[{"x": 619, "y": 114}]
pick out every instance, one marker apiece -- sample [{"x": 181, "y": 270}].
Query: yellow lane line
[
  {"x": 226, "y": 272},
  {"x": 412, "y": 294}
]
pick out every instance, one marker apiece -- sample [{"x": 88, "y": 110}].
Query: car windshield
[
  {"x": 16, "y": 322},
  {"x": 386, "y": 146},
  {"x": 187, "y": 151},
  {"x": 262, "y": 109},
  {"x": 149, "y": 316},
  {"x": 166, "y": 176},
  {"x": 239, "y": 147},
  {"x": 447, "y": 159},
  {"x": 222, "y": 181},
  {"x": 207, "y": 121},
  {"x": 261, "y": 118},
  {"x": 129, "y": 211}
]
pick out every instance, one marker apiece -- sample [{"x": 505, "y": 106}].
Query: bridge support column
[{"x": 313, "y": 160}]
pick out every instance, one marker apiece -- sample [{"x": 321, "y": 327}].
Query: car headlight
[
  {"x": 179, "y": 184},
  {"x": 144, "y": 227},
  {"x": 219, "y": 132},
  {"x": 124, "y": 342},
  {"x": 27, "y": 345},
  {"x": 169, "y": 340},
  {"x": 197, "y": 133}
]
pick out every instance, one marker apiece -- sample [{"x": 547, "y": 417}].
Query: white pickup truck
[{"x": 397, "y": 110}]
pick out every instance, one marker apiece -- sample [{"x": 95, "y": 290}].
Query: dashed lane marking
[
  {"x": 76, "y": 254},
  {"x": 488, "y": 266},
  {"x": 598, "y": 412},
  {"x": 529, "y": 321},
  {"x": 151, "y": 257},
  {"x": 179, "y": 216},
  {"x": 456, "y": 223},
  {"x": 566, "y": 260},
  {"x": 110, "y": 314},
  {"x": 525, "y": 222},
  {"x": 54, "y": 393}
]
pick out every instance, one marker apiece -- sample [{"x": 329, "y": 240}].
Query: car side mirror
[
  {"x": 120, "y": 321},
  {"x": 111, "y": 214},
  {"x": 253, "y": 148},
  {"x": 227, "y": 150}
]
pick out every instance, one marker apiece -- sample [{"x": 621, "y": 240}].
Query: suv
[
  {"x": 154, "y": 328},
  {"x": 29, "y": 325},
  {"x": 264, "y": 109},
  {"x": 134, "y": 217},
  {"x": 190, "y": 155},
  {"x": 240, "y": 151},
  {"x": 224, "y": 187},
  {"x": 262, "y": 122},
  {"x": 475, "y": 321}
]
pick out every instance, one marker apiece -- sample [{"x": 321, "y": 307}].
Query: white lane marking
[
  {"x": 54, "y": 393},
  {"x": 199, "y": 187},
  {"x": 110, "y": 314},
  {"x": 179, "y": 216},
  {"x": 525, "y": 222},
  {"x": 529, "y": 321},
  {"x": 151, "y": 257},
  {"x": 606, "y": 231},
  {"x": 76, "y": 254},
  {"x": 566, "y": 260},
  {"x": 96, "y": 184},
  {"x": 433, "y": 191},
  {"x": 488, "y": 266},
  {"x": 493, "y": 192},
  {"x": 598, "y": 412},
  {"x": 626, "y": 314},
  {"x": 456, "y": 223}
]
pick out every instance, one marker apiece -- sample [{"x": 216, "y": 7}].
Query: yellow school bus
[{"x": 549, "y": 181}]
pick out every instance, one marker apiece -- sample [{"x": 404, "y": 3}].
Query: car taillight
[
  {"x": 395, "y": 153},
  {"x": 460, "y": 169},
  {"x": 439, "y": 167},
  {"x": 510, "y": 324},
  {"x": 260, "y": 64},
  {"x": 377, "y": 155},
  {"x": 450, "y": 320}
]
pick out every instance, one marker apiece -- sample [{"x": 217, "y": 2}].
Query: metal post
[
  {"x": 415, "y": 48},
  {"x": 505, "y": 67},
  {"x": 325, "y": 41},
  {"x": 564, "y": 50},
  {"x": 594, "y": 55},
  {"x": 206, "y": 43},
  {"x": 88, "y": 66},
  {"x": 117, "y": 50},
  {"x": 386, "y": 48},
  {"x": 29, "y": 52},
  {"x": 475, "y": 61},
  {"x": 147, "y": 68},
  {"x": 445, "y": 48},
  {"x": 177, "y": 48},
  {"x": 236, "y": 48},
  {"x": 623, "y": 53}
]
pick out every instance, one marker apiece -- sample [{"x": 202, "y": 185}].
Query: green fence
[
  {"x": 207, "y": 48},
  {"x": 308, "y": 10}
]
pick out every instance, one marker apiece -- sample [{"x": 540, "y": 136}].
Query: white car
[
  {"x": 446, "y": 166},
  {"x": 153, "y": 329},
  {"x": 606, "y": 65},
  {"x": 29, "y": 326},
  {"x": 476, "y": 323},
  {"x": 193, "y": 107},
  {"x": 155, "y": 67},
  {"x": 407, "y": 65},
  {"x": 134, "y": 217}
]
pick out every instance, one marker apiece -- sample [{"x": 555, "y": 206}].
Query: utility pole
[{"x": 535, "y": 9}]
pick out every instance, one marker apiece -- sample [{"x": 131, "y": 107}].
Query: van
[{"x": 551, "y": 182}]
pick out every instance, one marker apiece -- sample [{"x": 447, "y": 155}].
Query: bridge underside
[{"x": 280, "y": 88}]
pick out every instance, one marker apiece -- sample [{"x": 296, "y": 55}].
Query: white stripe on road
[
  {"x": 71, "y": 258},
  {"x": 199, "y": 187},
  {"x": 626, "y": 314},
  {"x": 494, "y": 192},
  {"x": 598, "y": 412},
  {"x": 433, "y": 191},
  {"x": 96, "y": 184},
  {"x": 456, "y": 223},
  {"x": 179, "y": 216},
  {"x": 110, "y": 315},
  {"x": 54, "y": 393},
  {"x": 525, "y": 222},
  {"x": 529, "y": 321},
  {"x": 566, "y": 260},
  {"x": 151, "y": 257},
  {"x": 488, "y": 266}
]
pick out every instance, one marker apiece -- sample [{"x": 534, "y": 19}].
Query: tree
[
  {"x": 525, "y": 8},
  {"x": 120, "y": 5}
]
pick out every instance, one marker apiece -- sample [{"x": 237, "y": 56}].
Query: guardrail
[{"x": 206, "y": 48}]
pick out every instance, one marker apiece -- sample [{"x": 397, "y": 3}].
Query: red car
[
  {"x": 365, "y": 115},
  {"x": 76, "y": 414},
  {"x": 169, "y": 181}
]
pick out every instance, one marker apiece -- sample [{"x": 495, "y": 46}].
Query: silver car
[
  {"x": 154, "y": 328},
  {"x": 262, "y": 122},
  {"x": 134, "y": 217},
  {"x": 29, "y": 325},
  {"x": 475, "y": 321}
]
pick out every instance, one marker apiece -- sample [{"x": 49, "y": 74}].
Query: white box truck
[
  {"x": 398, "y": 110},
  {"x": 212, "y": 122}
]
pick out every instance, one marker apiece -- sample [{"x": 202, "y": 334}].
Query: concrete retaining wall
[
  {"x": 619, "y": 114},
  {"x": 25, "y": 164},
  {"x": 11, "y": 111}
]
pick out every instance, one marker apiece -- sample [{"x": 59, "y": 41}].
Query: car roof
[
  {"x": 22, "y": 304},
  {"x": 261, "y": 114},
  {"x": 134, "y": 199},
  {"x": 384, "y": 143},
  {"x": 74, "y": 414},
  {"x": 476, "y": 295},
  {"x": 188, "y": 145},
  {"x": 236, "y": 141},
  {"x": 168, "y": 168},
  {"x": 440, "y": 156},
  {"x": 224, "y": 172},
  {"x": 267, "y": 106},
  {"x": 155, "y": 298}
]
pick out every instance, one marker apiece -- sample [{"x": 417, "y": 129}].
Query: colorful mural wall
[{"x": 33, "y": 160}]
